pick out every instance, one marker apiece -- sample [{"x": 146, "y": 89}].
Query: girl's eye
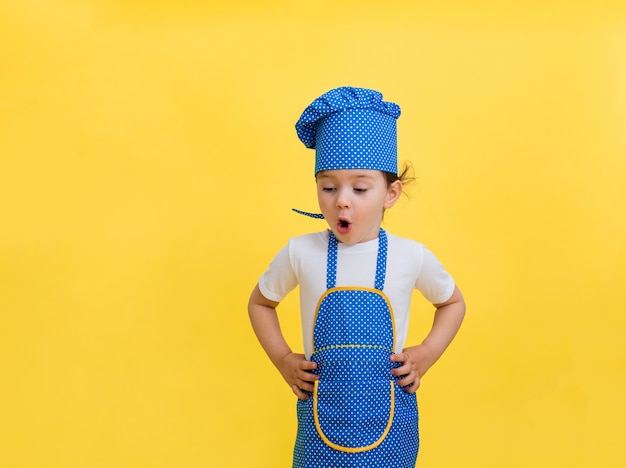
[
  {"x": 328, "y": 189},
  {"x": 360, "y": 190}
]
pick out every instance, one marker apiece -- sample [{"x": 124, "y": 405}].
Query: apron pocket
[{"x": 353, "y": 416}]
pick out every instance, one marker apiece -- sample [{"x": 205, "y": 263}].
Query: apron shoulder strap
[
  {"x": 331, "y": 262},
  {"x": 381, "y": 260}
]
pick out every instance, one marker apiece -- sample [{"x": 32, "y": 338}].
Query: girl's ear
[{"x": 393, "y": 193}]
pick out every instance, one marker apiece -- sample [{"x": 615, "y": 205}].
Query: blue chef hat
[{"x": 351, "y": 128}]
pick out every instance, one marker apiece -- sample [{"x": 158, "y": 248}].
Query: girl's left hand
[{"x": 410, "y": 380}]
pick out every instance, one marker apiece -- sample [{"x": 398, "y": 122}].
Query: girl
[{"x": 356, "y": 380}]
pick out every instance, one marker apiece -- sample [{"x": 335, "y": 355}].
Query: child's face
[{"x": 353, "y": 200}]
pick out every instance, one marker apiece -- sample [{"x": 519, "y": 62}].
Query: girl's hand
[
  {"x": 295, "y": 369},
  {"x": 411, "y": 368},
  {"x": 410, "y": 380}
]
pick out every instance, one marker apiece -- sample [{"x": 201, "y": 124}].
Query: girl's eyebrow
[{"x": 324, "y": 175}]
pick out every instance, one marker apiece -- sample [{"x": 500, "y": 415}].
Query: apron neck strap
[{"x": 381, "y": 261}]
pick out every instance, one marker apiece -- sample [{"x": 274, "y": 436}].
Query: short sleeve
[
  {"x": 433, "y": 281},
  {"x": 280, "y": 278}
]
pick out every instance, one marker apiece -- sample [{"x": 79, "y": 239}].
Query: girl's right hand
[{"x": 296, "y": 371}]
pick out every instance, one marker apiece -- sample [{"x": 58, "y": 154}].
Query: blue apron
[{"x": 358, "y": 416}]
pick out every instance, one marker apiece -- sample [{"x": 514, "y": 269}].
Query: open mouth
[{"x": 343, "y": 226}]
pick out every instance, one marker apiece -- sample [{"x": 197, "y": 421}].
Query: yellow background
[{"x": 148, "y": 168}]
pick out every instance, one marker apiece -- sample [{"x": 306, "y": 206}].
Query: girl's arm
[
  {"x": 293, "y": 367},
  {"x": 416, "y": 360}
]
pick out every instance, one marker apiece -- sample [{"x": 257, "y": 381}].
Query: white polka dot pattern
[
  {"x": 354, "y": 403},
  {"x": 351, "y": 128}
]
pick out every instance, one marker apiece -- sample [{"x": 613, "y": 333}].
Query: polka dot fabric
[
  {"x": 351, "y": 128},
  {"x": 358, "y": 416}
]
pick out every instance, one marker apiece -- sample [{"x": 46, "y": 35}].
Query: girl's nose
[{"x": 343, "y": 201}]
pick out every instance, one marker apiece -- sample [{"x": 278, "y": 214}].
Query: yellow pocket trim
[{"x": 341, "y": 448}]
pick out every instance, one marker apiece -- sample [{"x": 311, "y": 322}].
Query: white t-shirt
[{"x": 409, "y": 266}]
